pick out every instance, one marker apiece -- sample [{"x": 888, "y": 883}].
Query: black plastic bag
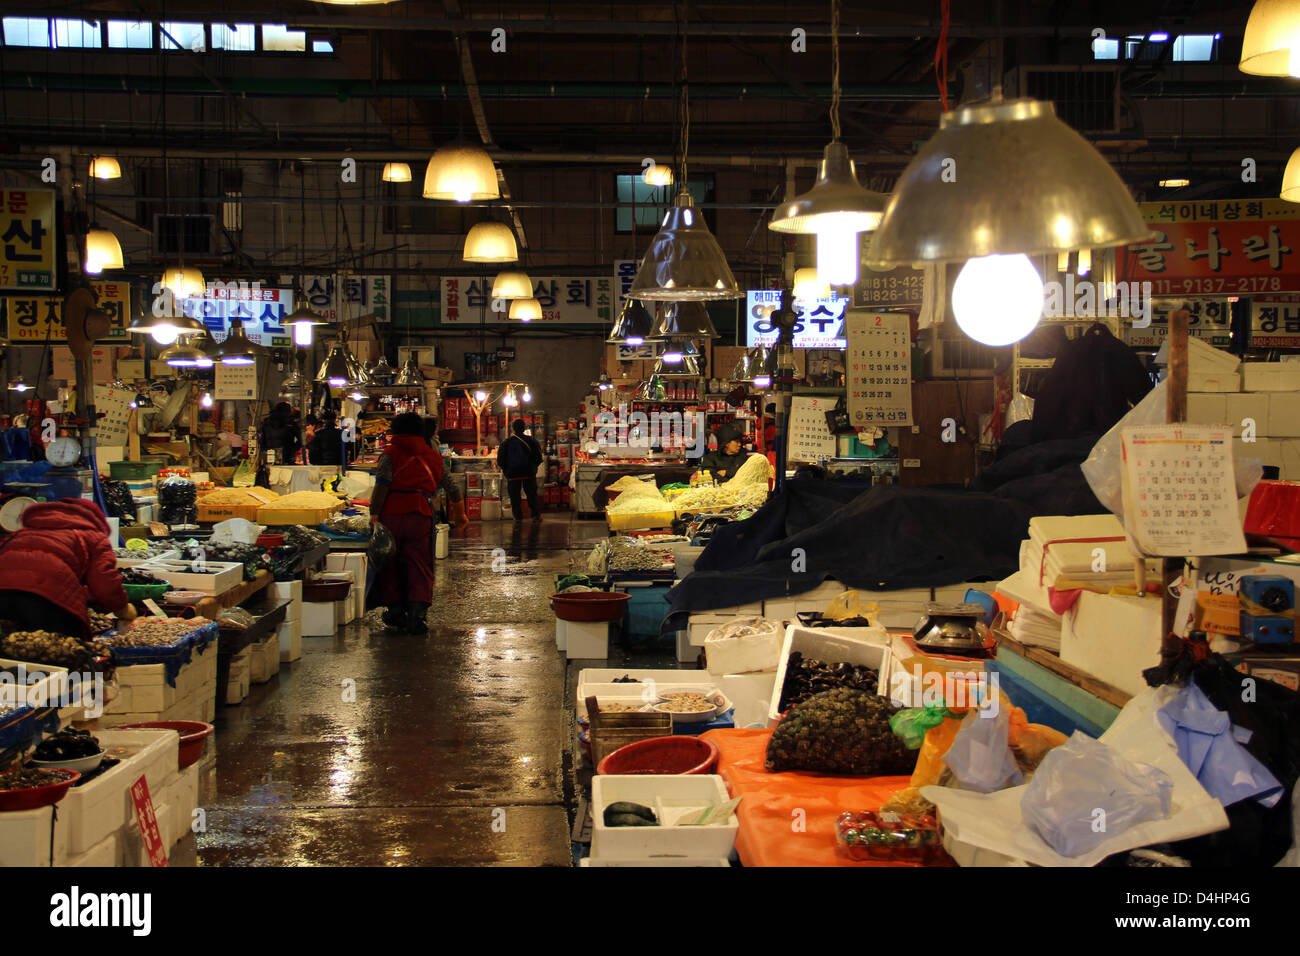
[
  {"x": 118, "y": 501},
  {"x": 382, "y": 547}
]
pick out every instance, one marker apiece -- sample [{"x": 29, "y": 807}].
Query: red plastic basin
[
  {"x": 662, "y": 755},
  {"x": 194, "y": 737},
  {"x": 31, "y": 798},
  {"x": 590, "y": 605}
]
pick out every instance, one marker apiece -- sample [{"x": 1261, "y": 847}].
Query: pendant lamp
[
  {"x": 236, "y": 348},
  {"x": 651, "y": 390},
  {"x": 525, "y": 310},
  {"x": 490, "y": 242},
  {"x": 808, "y": 286},
  {"x": 684, "y": 319},
  {"x": 184, "y": 281},
  {"x": 1025, "y": 184},
  {"x": 105, "y": 167},
  {"x": 382, "y": 371},
  {"x": 292, "y": 385},
  {"x": 18, "y": 385},
  {"x": 410, "y": 374},
  {"x": 752, "y": 363},
  {"x": 396, "y": 173},
  {"x": 684, "y": 261},
  {"x": 658, "y": 175},
  {"x": 103, "y": 251},
  {"x": 340, "y": 369},
  {"x": 1271, "y": 44},
  {"x": 184, "y": 355},
  {"x": 461, "y": 173},
  {"x": 1291, "y": 179},
  {"x": 512, "y": 284},
  {"x": 680, "y": 358},
  {"x": 164, "y": 328},
  {"x": 303, "y": 320},
  {"x": 633, "y": 325}
]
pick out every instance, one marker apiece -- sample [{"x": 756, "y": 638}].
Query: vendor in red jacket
[{"x": 58, "y": 566}]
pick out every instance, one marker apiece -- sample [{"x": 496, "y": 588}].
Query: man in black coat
[
  {"x": 518, "y": 458},
  {"x": 280, "y": 431}
]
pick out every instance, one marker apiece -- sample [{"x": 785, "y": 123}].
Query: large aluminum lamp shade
[
  {"x": 1291, "y": 179},
  {"x": 105, "y": 167},
  {"x": 1021, "y": 181},
  {"x": 836, "y": 201},
  {"x": 339, "y": 370},
  {"x": 237, "y": 348},
  {"x": 103, "y": 251},
  {"x": 1271, "y": 44},
  {"x": 146, "y": 323},
  {"x": 752, "y": 364},
  {"x": 490, "y": 242},
  {"x": 461, "y": 173},
  {"x": 512, "y": 284},
  {"x": 185, "y": 355},
  {"x": 410, "y": 374},
  {"x": 684, "y": 261},
  {"x": 396, "y": 173},
  {"x": 684, "y": 319},
  {"x": 633, "y": 325},
  {"x": 688, "y": 366}
]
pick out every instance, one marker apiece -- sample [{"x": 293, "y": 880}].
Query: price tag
[
  {"x": 148, "y": 822},
  {"x": 157, "y": 529},
  {"x": 153, "y": 607}
]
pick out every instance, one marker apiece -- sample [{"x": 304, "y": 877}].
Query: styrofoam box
[
  {"x": 686, "y": 651},
  {"x": 868, "y": 646},
  {"x": 287, "y": 589},
  {"x": 131, "y": 848},
  {"x": 25, "y": 838},
  {"x": 318, "y": 619},
  {"x": 657, "y": 861},
  {"x": 560, "y": 633},
  {"x": 358, "y": 596},
  {"x": 672, "y": 798},
  {"x": 586, "y": 639},
  {"x": 219, "y": 576},
  {"x": 1283, "y": 415},
  {"x": 1207, "y": 408},
  {"x": 1266, "y": 450},
  {"x": 1289, "y": 466},
  {"x": 264, "y": 660},
  {"x": 1247, "y": 405},
  {"x": 182, "y": 797},
  {"x": 741, "y": 655},
  {"x": 1214, "y": 381},
  {"x": 90, "y": 812},
  {"x": 750, "y": 695},
  {"x": 787, "y": 608},
  {"x": 1113, "y": 638},
  {"x": 37, "y": 693},
  {"x": 1270, "y": 376},
  {"x": 754, "y": 609},
  {"x": 107, "y": 852},
  {"x": 143, "y": 688},
  {"x": 289, "y": 635},
  {"x": 700, "y": 624}
]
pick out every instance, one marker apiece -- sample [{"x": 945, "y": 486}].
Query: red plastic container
[
  {"x": 590, "y": 605},
  {"x": 662, "y": 755},
  {"x": 32, "y": 798},
  {"x": 270, "y": 540},
  {"x": 194, "y": 737}
]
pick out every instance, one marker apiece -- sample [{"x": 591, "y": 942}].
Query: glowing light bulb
[
  {"x": 674, "y": 356},
  {"x": 1293, "y": 62},
  {"x": 337, "y": 382},
  {"x": 998, "y": 300},
  {"x": 837, "y": 251},
  {"x": 1085, "y": 261},
  {"x": 635, "y": 340},
  {"x": 762, "y": 381},
  {"x": 20, "y": 387},
  {"x": 206, "y": 400},
  {"x": 357, "y": 396},
  {"x": 302, "y": 333},
  {"x": 480, "y": 397},
  {"x": 528, "y": 396},
  {"x": 463, "y": 194},
  {"x": 164, "y": 334}
]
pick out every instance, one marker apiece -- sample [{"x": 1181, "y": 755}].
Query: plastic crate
[
  {"x": 133, "y": 470},
  {"x": 646, "y": 609}
]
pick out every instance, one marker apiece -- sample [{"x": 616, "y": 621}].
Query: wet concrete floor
[{"x": 448, "y": 748}]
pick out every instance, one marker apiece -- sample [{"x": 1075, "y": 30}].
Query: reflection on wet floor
[{"x": 440, "y": 749}]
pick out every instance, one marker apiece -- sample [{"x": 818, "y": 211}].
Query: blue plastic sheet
[
  {"x": 1213, "y": 749},
  {"x": 172, "y": 656}
]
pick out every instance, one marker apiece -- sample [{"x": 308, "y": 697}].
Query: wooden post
[{"x": 1175, "y": 412}]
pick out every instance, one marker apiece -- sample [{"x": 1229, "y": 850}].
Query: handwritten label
[{"x": 148, "y": 822}]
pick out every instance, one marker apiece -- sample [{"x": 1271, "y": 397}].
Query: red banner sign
[
  {"x": 1237, "y": 247},
  {"x": 144, "y": 815}
]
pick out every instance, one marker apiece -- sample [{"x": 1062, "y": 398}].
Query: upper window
[
  {"x": 183, "y": 36},
  {"x": 27, "y": 31},
  {"x": 279, "y": 37},
  {"x": 1188, "y": 48},
  {"x": 80, "y": 34},
  {"x": 130, "y": 35},
  {"x": 322, "y": 46},
  {"x": 646, "y": 205},
  {"x": 237, "y": 37},
  {"x": 1196, "y": 48}
]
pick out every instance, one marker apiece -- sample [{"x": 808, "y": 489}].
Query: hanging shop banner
[
  {"x": 878, "y": 372},
  {"x": 28, "y": 239},
  {"x": 38, "y": 319},
  {"x": 1210, "y": 321},
  {"x": 360, "y": 295},
  {"x": 624, "y": 273},
  {"x": 1275, "y": 322},
  {"x": 1224, "y": 247},
  {"x": 260, "y": 308},
  {"x": 815, "y": 327},
  {"x": 234, "y": 381},
  {"x": 466, "y": 300}
]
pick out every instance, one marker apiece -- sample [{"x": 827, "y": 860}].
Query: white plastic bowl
[{"x": 79, "y": 764}]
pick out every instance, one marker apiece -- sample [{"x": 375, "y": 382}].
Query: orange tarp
[{"x": 770, "y": 832}]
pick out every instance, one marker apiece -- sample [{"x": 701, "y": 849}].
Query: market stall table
[{"x": 771, "y": 802}]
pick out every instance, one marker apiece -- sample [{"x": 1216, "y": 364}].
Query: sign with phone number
[
  {"x": 1210, "y": 320},
  {"x": 28, "y": 239},
  {"x": 36, "y": 319},
  {"x": 466, "y": 300}
]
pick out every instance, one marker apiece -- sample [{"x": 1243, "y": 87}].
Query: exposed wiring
[
  {"x": 835, "y": 70},
  {"x": 940, "y": 53}
]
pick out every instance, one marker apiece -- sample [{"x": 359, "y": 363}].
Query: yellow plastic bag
[
  {"x": 929, "y": 762},
  {"x": 849, "y": 605}
]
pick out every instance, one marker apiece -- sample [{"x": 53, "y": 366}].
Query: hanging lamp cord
[
  {"x": 941, "y": 53},
  {"x": 835, "y": 71}
]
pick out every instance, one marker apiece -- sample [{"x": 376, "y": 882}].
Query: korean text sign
[
  {"x": 815, "y": 325},
  {"x": 467, "y": 300},
  {"x": 34, "y": 319},
  {"x": 28, "y": 239}
]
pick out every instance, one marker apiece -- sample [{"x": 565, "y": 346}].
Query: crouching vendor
[{"x": 726, "y": 461}]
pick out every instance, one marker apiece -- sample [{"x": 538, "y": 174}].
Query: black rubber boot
[
  {"x": 396, "y": 616},
  {"x": 417, "y": 622}
]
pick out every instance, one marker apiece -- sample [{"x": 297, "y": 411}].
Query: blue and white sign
[
  {"x": 261, "y": 309},
  {"x": 818, "y": 320}
]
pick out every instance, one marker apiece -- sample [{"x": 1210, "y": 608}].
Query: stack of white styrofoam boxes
[
  {"x": 264, "y": 659},
  {"x": 144, "y": 694},
  {"x": 588, "y": 640},
  {"x": 1113, "y": 638},
  {"x": 289, "y": 634},
  {"x": 1264, "y": 415},
  {"x": 354, "y": 561},
  {"x": 319, "y": 619},
  {"x": 675, "y": 800},
  {"x": 701, "y": 622},
  {"x": 96, "y": 820},
  {"x": 786, "y": 609},
  {"x": 241, "y": 677}
]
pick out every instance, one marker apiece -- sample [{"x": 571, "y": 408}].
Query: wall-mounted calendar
[
  {"x": 810, "y": 438},
  {"x": 113, "y": 405},
  {"x": 878, "y": 368}
]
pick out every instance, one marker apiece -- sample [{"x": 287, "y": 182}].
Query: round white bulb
[
  {"x": 463, "y": 194},
  {"x": 302, "y": 333},
  {"x": 480, "y": 397},
  {"x": 206, "y": 400},
  {"x": 164, "y": 334},
  {"x": 837, "y": 253},
  {"x": 762, "y": 381},
  {"x": 998, "y": 300},
  {"x": 528, "y": 396}
]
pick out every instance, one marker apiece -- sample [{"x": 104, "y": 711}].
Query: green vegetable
[{"x": 634, "y": 808}]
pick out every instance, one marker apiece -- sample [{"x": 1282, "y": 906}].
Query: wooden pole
[{"x": 1175, "y": 412}]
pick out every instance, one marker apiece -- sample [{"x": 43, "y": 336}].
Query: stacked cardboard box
[{"x": 1263, "y": 411}]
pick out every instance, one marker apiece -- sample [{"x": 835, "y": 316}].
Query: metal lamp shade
[
  {"x": 684, "y": 319},
  {"x": 410, "y": 374},
  {"x": 340, "y": 369},
  {"x": 525, "y": 310},
  {"x": 752, "y": 363},
  {"x": 303, "y": 315},
  {"x": 103, "y": 251},
  {"x": 1024, "y": 183},
  {"x": 490, "y": 242},
  {"x": 461, "y": 173},
  {"x": 184, "y": 355},
  {"x": 396, "y": 173},
  {"x": 236, "y": 348},
  {"x": 382, "y": 370},
  {"x": 633, "y": 325},
  {"x": 512, "y": 284},
  {"x": 688, "y": 367},
  {"x": 1272, "y": 31},
  {"x": 836, "y": 198},
  {"x": 684, "y": 261},
  {"x": 145, "y": 323},
  {"x": 1291, "y": 178}
]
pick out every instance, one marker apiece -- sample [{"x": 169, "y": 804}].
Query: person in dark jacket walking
[
  {"x": 326, "y": 447},
  {"x": 280, "y": 431},
  {"x": 518, "y": 458}
]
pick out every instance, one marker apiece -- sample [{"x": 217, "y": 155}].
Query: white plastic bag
[
  {"x": 980, "y": 757},
  {"x": 236, "y": 531},
  {"x": 1085, "y": 792}
]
